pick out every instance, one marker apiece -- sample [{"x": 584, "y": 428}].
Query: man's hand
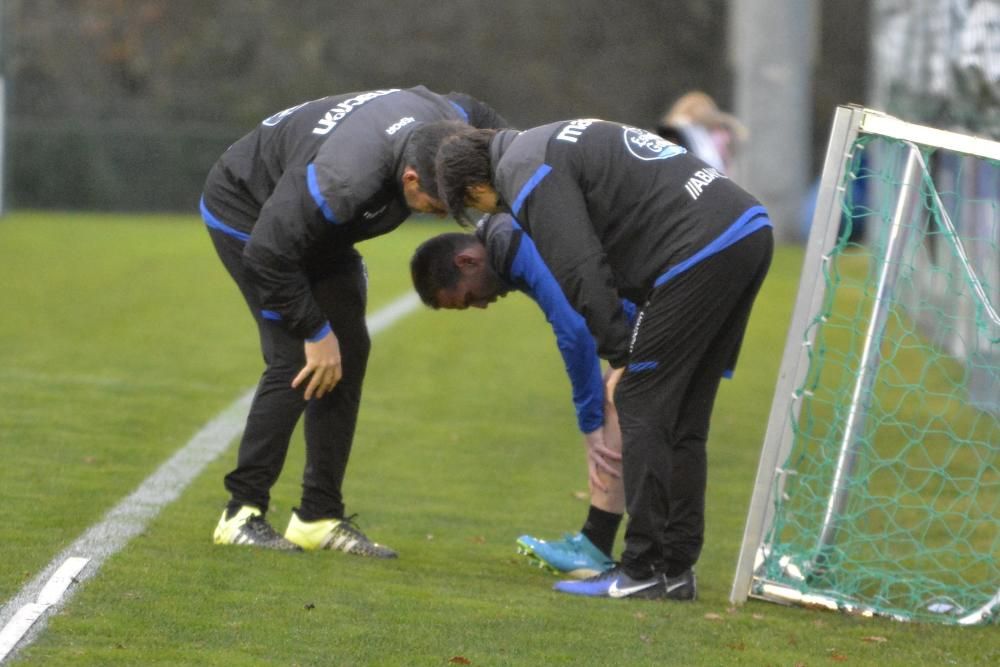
[
  {"x": 323, "y": 365},
  {"x": 601, "y": 459}
]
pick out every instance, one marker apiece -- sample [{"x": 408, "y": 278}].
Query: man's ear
[{"x": 470, "y": 258}]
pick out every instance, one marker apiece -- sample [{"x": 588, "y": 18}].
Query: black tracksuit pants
[
  {"x": 339, "y": 285},
  {"x": 685, "y": 339}
]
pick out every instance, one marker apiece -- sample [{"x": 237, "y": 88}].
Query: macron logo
[
  {"x": 330, "y": 119},
  {"x": 370, "y": 215},
  {"x": 398, "y": 125},
  {"x": 574, "y": 129}
]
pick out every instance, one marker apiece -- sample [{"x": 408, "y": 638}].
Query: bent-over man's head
[
  {"x": 453, "y": 271},
  {"x": 463, "y": 174},
  {"x": 419, "y": 180}
]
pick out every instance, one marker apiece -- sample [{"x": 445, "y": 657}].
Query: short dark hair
[
  {"x": 422, "y": 147},
  {"x": 433, "y": 267},
  {"x": 463, "y": 160}
]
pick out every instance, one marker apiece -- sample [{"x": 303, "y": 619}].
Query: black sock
[{"x": 601, "y": 528}]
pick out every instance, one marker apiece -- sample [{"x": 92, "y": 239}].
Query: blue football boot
[
  {"x": 616, "y": 584},
  {"x": 573, "y": 555}
]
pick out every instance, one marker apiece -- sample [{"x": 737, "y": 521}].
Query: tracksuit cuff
[{"x": 321, "y": 333}]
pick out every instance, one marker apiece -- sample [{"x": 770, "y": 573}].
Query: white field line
[
  {"x": 23, "y": 617},
  {"x": 60, "y": 382}
]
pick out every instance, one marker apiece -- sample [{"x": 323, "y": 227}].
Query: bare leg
[{"x": 612, "y": 497}]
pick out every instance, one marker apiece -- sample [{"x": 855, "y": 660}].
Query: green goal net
[{"x": 878, "y": 491}]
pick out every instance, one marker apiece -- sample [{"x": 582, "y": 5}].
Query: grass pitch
[{"x": 121, "y": 336}]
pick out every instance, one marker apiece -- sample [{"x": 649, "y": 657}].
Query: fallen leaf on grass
[
  {"x": 713, "y": 617},
  {"x": 838, "y": 657},
  {"x": 581, "y": 495},
  {"x": 874, "y": 639},
  {"x": 459, "y": 660},
  {"x": 478, "y": 539},
  {"x": 738, "y": 646},
  {"x": 757, "y": 617}
]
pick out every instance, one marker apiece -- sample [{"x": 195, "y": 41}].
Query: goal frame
[{"x": 849, "y": 123}]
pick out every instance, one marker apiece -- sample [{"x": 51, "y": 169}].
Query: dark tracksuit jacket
[
  {"x": 617, "y": 212},
  {"x": 284, "y": 206},
  {"x": 514, "y": 258}
]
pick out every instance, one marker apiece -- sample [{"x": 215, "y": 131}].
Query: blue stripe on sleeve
[
  {"x": 272, "y": 315},
  {"x": 640, "y": 366},
  {"x": 576, "y": 345},
  {"x": 461, "y": 112},
  {"x": 317, "y": 194},
  {"x": 215, "y": 223},
  {"x": 530, "y": 185}
]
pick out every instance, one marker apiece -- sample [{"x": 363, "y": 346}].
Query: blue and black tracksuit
[
  {"x": 617, "y": 212},
  {"x": 514, "y": 258},
  {"x": 285, "y": 206}
]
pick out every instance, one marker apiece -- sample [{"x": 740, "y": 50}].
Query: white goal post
[{"x": 806, "y": 579}]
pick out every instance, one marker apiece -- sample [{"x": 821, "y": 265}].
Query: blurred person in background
[
  {"x": 696, "y": 123},
  {"x": 285, "y": 206},
  {"x": 459, "y": 271}
]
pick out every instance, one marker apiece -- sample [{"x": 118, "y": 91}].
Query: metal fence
[{"x": 937, "y": 62}]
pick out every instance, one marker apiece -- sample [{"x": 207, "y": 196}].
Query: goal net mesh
[{"x": 889, "y": 502}]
